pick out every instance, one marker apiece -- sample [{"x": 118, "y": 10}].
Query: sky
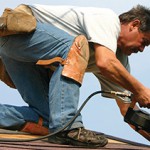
[{"x": 100, "y": 114}]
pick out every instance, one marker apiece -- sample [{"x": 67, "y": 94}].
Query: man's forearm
[{"x": 114, "y": 71}]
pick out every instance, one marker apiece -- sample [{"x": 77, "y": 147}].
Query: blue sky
[{"x": 100, "y": 114}]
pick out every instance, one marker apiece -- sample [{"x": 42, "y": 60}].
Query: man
[{"x": 55, "y": 99}]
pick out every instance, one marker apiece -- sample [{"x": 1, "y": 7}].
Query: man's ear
[{"x": 134, "y": 24}]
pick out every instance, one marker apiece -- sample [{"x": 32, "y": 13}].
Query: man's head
[{"x": 135, "y": 30}]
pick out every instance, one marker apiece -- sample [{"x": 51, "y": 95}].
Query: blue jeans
[{"x": 54, "y": 99}]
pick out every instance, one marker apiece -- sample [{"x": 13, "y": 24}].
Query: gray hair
[{"x": 139, "y": 12}]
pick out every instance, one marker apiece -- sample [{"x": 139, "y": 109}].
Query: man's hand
[{"x": 143, "y": 98}]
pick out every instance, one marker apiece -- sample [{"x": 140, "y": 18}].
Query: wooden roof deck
[
  {"x": 40, "y": 145},
  {"x": 114, "y": 143}
]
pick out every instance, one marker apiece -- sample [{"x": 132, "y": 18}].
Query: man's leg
[
  {"x": 45, "y": 43},
  {"x": 65, "y": 100},
  {"x": 15, "y": 117},
  {"x": 32, "y": 83}
]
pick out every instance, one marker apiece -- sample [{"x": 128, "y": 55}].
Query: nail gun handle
[{"x": 133, "y": 102}]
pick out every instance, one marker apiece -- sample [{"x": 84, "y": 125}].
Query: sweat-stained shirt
[{"x": 99, "y": 25}]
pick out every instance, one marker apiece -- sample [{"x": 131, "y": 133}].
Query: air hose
[
  {"x": 59, "y": 130},
  {"x": 70, "y": 122}
]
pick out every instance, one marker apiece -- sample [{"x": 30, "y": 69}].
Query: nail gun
[{"x": 140, "y": 119}]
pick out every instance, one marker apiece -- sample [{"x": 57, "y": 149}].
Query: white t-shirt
[{"x": 99, "y": 25}]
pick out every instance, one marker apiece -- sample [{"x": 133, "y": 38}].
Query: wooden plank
[{"x": 17, "y": 136}]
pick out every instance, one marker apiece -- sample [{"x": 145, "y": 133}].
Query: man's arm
[{"x": 113, "y": 70}]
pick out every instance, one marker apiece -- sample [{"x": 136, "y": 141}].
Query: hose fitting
[{"x": 121, "y": 94}]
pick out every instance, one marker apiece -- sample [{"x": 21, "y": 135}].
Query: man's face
[{"x": 132, "y": 40}]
